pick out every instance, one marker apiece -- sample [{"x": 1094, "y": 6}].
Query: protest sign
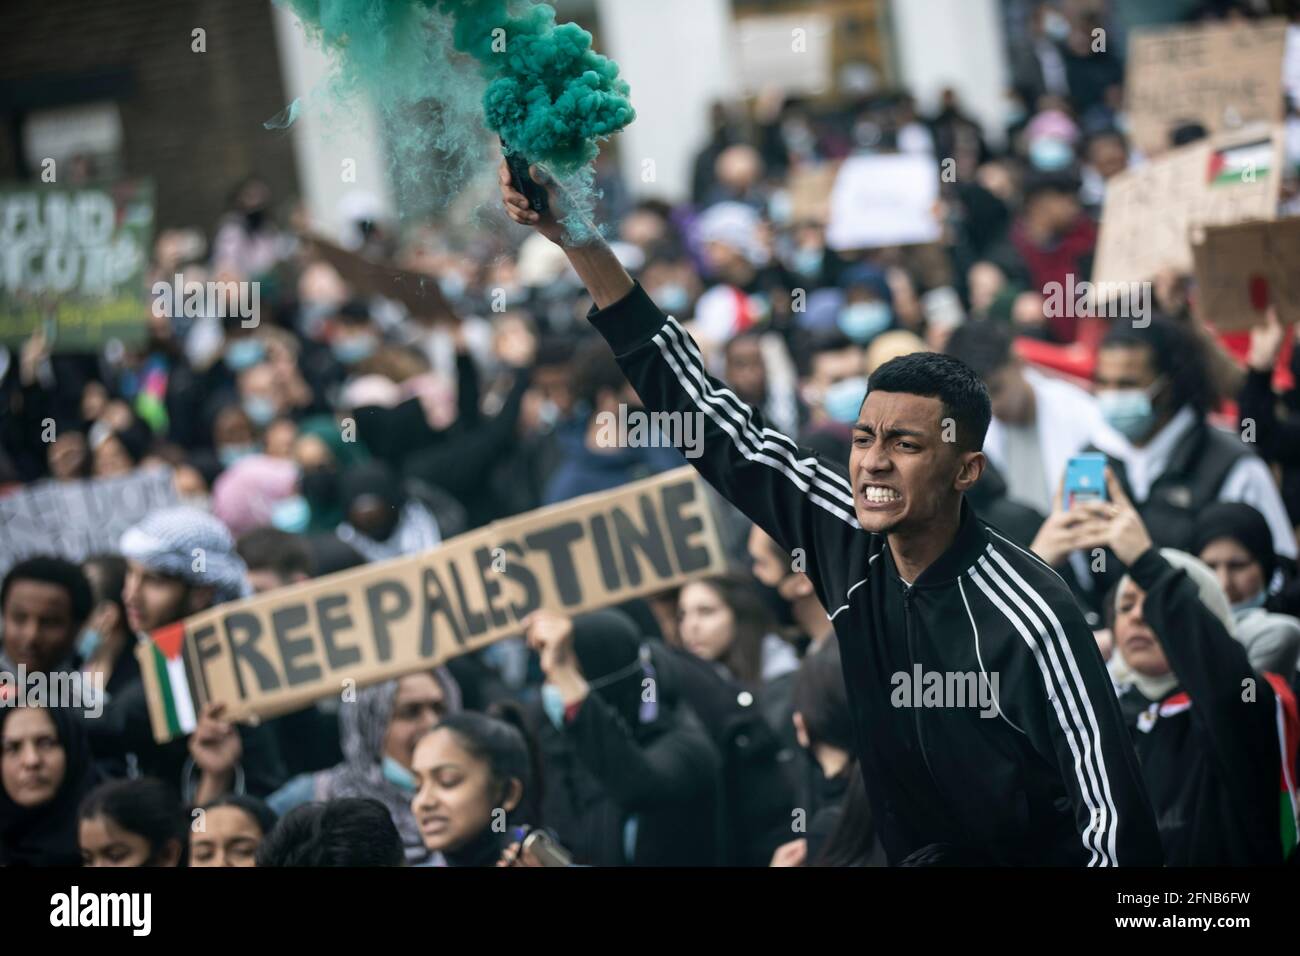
[
  {"x": 1150, "y": 211},
  {"x": 1222, "y": 75},
  {"x": 810, "y": 192},
  {"x": 273, "y": 653},
  {"x": 73, "y": 261},
  {"x": 75, "y": 519},
  {"x": 1241, "y": 270},
  {"x": 884, "y": 200},
  {"x": 420, "y": 293}
]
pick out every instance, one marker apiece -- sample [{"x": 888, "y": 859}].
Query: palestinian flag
[
  {"x": 1246, "y": 163},
  {"x": 1288, "y": 734},
  {"x": 170, "y": 693}
]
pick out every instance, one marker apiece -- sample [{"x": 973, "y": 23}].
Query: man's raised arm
[{"x": 800, "y": 500}]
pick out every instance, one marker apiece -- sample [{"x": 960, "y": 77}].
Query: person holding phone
[
  {"x": 912, "y": 579},
  {"x": 1155, "y": 393}
]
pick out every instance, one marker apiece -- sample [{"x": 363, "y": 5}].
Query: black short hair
[
  {"x": 270, "y": 549},
  {"x": 350, "y": 831},
  {"x": 1059, "y": 182},
  {"x": 984, "y": 346},
  {"x": 595, "y": 370},
  {"x": 51, "y": 570},
  {"x": 144, "y": 806},
  {"x": 933, "y": 375},
  {"x": 554, "y": 350},
  {"x": 1176, "y": 352}
]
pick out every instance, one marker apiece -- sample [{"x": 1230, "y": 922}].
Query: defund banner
[
  {"x": 72, "y": 261},
  {"x": 279, "y": 651}
]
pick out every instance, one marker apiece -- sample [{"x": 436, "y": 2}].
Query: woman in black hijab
[{"x": 47, "y": 770}]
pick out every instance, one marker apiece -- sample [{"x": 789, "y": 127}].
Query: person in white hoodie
[{"x": 1039, "y": 422}]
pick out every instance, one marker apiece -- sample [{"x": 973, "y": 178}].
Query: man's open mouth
[{"x": 880, "y": 494}]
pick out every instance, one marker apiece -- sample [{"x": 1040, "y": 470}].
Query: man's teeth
[{"x": 882, "y": 494}]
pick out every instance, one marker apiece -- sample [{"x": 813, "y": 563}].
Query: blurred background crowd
[{"x": 345, "y": 428}]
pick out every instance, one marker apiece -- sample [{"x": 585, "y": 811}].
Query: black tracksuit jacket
[
  {"x": 1050, "y": 777},
  {"x": 1210, "y": 749}
]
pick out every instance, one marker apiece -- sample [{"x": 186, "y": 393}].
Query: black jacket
[
  {"x": 1209, "y": 749},
  {"x": 599, "y": 773},
  {"x": 1049, "y": 776}
]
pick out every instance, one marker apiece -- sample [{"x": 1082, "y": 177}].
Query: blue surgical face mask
[
  {"x": 229, "y": 454},
  {"x": 672, "y": 297},
  {"x": 291, "y": 514},
  {"x": 808, "y": 262},
  {"x": 1129, "y": 411},
  {"x": 354, "y": 348},
  {"x": 244, "y": 353},
  {"x": 553, "y": 705},
  {"x": 1056, "y": 25},
  {"x": 1049, "y": 154},
  {"x": 863, "y": 321},
  {"x": 88, "y": 643},
  {"x": 843, "y": 400},
  {"x": 452, "y": 285},
  {"x": 260, "y": 409},
  {"x": 1250, "y": 603},
  {"x": 399, "y": 776}
]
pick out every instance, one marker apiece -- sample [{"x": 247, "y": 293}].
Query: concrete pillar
[{"x": 677, "y": 57}]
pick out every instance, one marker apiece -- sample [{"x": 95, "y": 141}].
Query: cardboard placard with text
[
  {"x": 276, "y": 652},
  {"x": 1241, "y": 270},
  {"x": 1150, "y": 212},
  {"x": 1222, "y": 76}
]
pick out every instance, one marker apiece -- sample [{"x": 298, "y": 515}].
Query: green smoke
[
  {"x": 539, "y": 86},
  {"x": 549, "y": 95}
]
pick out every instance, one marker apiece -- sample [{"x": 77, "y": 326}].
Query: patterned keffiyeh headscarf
[{"x": 189, "y": 544}]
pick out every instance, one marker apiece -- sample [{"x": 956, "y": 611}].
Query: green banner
[{"x": 73, "y": 261}]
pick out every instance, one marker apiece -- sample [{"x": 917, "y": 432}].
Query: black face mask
[
  {"x": 255, "y": 218},
  {"x": 320, "y": 486},
  {"x": 777, "y": 605}
]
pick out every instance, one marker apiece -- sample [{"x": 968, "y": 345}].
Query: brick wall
[{"x": 191, "y": 121}]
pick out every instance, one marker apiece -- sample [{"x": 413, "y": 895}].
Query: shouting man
[{"x": 914, "y": 583}]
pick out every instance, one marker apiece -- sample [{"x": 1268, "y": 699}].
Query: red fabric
[
  {"x": 571, "y": 711},
  {"x": 1053, "y": 263}
]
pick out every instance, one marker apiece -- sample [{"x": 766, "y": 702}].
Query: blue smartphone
[{"x": 1085, "y": 479}]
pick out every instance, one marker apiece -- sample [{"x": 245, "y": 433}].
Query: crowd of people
[{"x": 340, "y": 429}]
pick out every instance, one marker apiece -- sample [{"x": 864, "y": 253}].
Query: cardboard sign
[
  {"x": 810, "y": 193},
  {"x": 75, "y": 519},
  {"x": 1241, "y": 270},
  {"x": 1222, "y": 76},
  {"x": 1150, "y": 211},
  {"x": 279, "y": 651},
  {"x": 73, "y": 261},
  {"x": 420, "y": 293},
  {"x": 884, "y": 200}
]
